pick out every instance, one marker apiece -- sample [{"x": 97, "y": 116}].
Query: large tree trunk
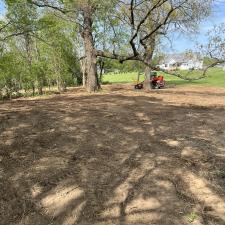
[
  {"x": 84, "y": 72},
  {"x": 90, "y": 52},
  {"x": 149, "y": 50},
  {"x": 29, "y": 50},
  {"x": 61, "y": 84},
  {"x": 40, "y": 89},
  {"x": 147, "y": 78},
  {"x": 33, "y": 88},
  {"x": 101, "y": 66},
  {"x": 28, "y": 46}
]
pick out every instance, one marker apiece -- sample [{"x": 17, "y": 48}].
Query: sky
[
  {"x": 180, "y": 43},
  {"x": 2, "y": 9}
]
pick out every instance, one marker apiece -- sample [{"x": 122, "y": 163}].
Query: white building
[{"x": 182, "y": 62}]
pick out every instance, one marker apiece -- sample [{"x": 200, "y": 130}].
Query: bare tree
[
  {"x": 149, "y": 20},
  {"x": 214, "y": 49}
]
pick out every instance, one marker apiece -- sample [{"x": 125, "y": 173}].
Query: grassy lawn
[{"x": 216, "y": 77}]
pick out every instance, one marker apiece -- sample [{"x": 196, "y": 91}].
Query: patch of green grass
[
  {"x": 121, "y": 77},
  {"x": 191, "y": 217},
  {"x": 221, "y": 173},
  {"x": 215, "y": 77}
]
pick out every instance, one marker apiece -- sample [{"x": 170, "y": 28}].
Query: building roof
[{"x": 181, "y": 57}]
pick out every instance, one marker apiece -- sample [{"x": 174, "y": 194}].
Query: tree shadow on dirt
[{"x": 112, "y": 159}]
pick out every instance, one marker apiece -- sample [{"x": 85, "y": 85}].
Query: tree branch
[
  {"x": 118, "y": 57},
  {"x": 45, "y": 4}
]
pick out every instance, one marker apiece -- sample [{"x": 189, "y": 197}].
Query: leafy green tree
[{"x": 40, "y": 47}]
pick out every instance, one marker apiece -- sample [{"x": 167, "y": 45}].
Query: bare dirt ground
[{"x": 117, "y": 157}]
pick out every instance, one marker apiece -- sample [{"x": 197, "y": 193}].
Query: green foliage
[
  {"x": 191, "y": 217},
  {"x": 208, "y": 61},
  {"x": 40, "y": 51},
  {"x": 128, "y": 66},
  {"x": 221, "y": 173}
]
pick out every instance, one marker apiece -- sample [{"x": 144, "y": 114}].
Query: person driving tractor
[{"x": 156, "y": 82}]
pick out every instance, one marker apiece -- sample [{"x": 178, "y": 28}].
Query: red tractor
[{"x": 156, "y": 82}]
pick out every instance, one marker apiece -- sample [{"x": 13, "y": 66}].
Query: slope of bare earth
[{"x": 117, "y": 157}]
